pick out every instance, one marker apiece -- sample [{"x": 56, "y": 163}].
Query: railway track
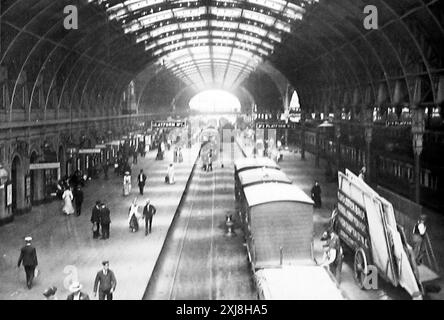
[{"x": 197, "y": 261}]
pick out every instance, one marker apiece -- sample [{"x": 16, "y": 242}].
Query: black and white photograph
[{"x": 238, "y": 152}]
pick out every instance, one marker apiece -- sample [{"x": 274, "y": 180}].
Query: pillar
[
  {"x": 418, "y": 128},
  {"x": 368, "y": 141}
]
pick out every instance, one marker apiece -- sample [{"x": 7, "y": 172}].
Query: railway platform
[{"x": 66, "y": 249}]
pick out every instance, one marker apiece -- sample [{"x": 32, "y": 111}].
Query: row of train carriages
[{"x": 277, "y": 221}]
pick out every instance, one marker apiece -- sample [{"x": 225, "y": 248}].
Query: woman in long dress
[
  {"x": 170, "y": 174},
  {"x": 133, "y": 217},
  {"x": 67, "y": 197},
  {"x": 126, "y": 183}
]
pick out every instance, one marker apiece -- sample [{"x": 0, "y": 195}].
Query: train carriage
[
  {"x": 259, "y": 175},
  {"x": 245, "y": 164},
  {"x": 278, "y": 223}
]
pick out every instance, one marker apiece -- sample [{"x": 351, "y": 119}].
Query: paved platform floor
[{"x": 65, "y": 246}]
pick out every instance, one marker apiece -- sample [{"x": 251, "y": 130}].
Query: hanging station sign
[
  {"x": 46, "y": 165},
  {"x": 85, "y": 151},
  {"x": 168, "y": 124},
  {"x": 263, "y": 125}
]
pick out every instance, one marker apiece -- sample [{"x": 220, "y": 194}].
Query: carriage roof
[
  {"x": 262, "y": 175},
  {"x": 246, "y": 163},
  {"x": 275, "y": 192}
]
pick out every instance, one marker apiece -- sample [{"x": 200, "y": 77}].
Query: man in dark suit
[
  {"x": 141, "y": 179},
  {"x": 78, "y": 199},
  {"x": 105, "y": 221},
  {"x": 105, "y": 282},
  {"x": 76, "y": 293},
  {"x": 95, "y": 220},
  {"x": 28, "y": 256},
  {"x": 148, "y": 212}
]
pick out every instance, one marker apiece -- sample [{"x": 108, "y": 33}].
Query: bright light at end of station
[{"x": 215, "y": 101}]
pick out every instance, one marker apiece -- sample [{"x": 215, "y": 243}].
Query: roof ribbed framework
[{"x": 207, "y": 43}]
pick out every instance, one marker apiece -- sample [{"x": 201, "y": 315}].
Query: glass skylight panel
[
  {"x": 253, "y": 29},
  {"x": 283, "y": 26},
  {"x": 262, "y": 51},
  {"x": 293, "y": 14},
  {"x": 275, "y": 37},
  {"x": 164, "y": 29},
  {"x": 256, "y": 16},
  {"x": 156, "y": 17},
  {"x": 248, "y": 38},
  {"x": 193, "y": 24},
  {"x": 224, "y": 24},
  {"x": 171, "y": 38},
  {"x": 228, "y": 12},
  {"x": 267, "y": 45},
  {"x": 221, "y": 51},
  {"x": 276, "y": 5},
  {"x": 188, "y": 13},
  {"x": 150, "y": 46},
  {"x": 223, "y": 34},
  {"x": 245, "y": 45}
]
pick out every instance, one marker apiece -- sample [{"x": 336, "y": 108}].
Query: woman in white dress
[
  {"x": 126, "y": 183},
  {"x": 67, "y": 197},
  {"x": 170, "y": 174}
]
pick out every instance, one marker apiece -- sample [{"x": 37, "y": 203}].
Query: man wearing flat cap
[
  {"x": 28, "y": 256},
  {"x": 105, "y": 282},
  {"x": 76, "y": 293}
]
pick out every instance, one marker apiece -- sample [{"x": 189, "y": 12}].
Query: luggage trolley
[{"x": 366, "y": 224}]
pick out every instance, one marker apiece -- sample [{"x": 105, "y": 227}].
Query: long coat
[
  {"x": 105, "y": 217},
  {"x": 95, "y": 216}
]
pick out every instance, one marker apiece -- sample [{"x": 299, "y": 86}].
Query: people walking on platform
[
  {"x": 28, "y": 257},
  {"x": 316, "y": 195},
  {"x": 180, "y": 155},
  {"x": 105, "y": 170},
  {"x": 67, "y": 202},
  {"x": 419, "y": 233},
  {"x": 170, "y": 174},
  {"x": 133, "y": 220},
  {"x": 210, "y": 160},
  {"x": 148, "y": 212},
  {"x": 141, "y": 180},
  {"x": 78, "y": 200},
  {"x": 105, "y": 221},
  {"x": 76, "y": 292},
  {"x": 50, "y": 293},
  {"x": 126, "y": 183},
  {"x": 105, "y": 282},
  {"x": 175, "y": 154},
  {"x": 95, "y": 220},
  {"x": 134, "y": 156},
  {"x": 159, "y": 155},
  {"x": 333, "y": 254}
]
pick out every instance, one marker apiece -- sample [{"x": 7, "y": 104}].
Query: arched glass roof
[{"x": 207, "y": 42}]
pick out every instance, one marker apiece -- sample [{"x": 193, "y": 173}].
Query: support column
[
  {"x": 317, "y": 149},
  {"x": 368, "y": 140},
  {"x": 338, "y": 145},
  {"x": 303, "y": 141},
  {"x": 418, "y": 128}
]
